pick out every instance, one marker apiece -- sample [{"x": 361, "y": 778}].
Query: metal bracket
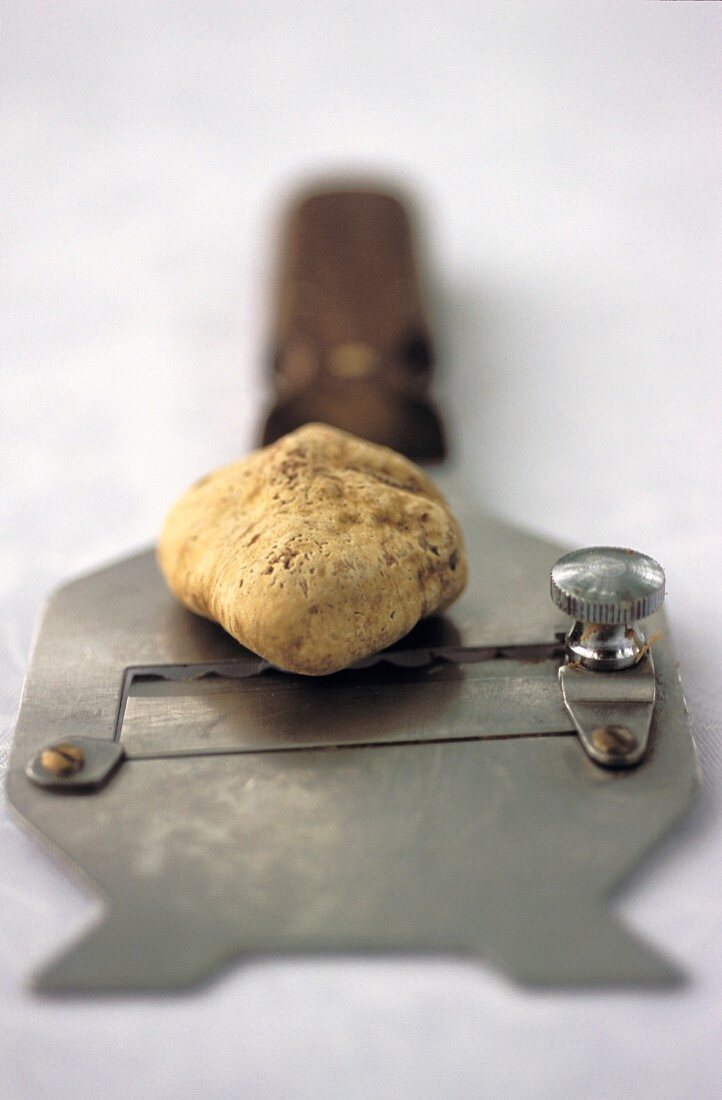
[
  {"x": 611, "y": 711},
  {"x": 78, "y": 766}
]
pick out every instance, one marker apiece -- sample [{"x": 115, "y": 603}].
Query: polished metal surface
[
  {"x": 607, "y": 584},
  {"x": 607, "y": 589},
  {"x": 244, "y": 824},
  {"x": 603, "y": 648},
  {"x": 611, "y": 714}
]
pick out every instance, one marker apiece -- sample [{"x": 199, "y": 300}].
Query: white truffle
[{"x": 315, "y": 551}]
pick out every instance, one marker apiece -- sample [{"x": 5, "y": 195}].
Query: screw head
[
  {"x": 608, "y": 585},
  {"x": 613, "y": 740},
  {"x": 62, "y": 759}
]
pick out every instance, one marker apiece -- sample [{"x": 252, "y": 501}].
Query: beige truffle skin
[{"x": 315, "y": 551}]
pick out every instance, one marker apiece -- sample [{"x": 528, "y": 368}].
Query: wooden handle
[{"x": 352, "y": 345}]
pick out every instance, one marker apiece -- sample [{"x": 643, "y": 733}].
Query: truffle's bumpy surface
[{"x": 316, "y": 551}]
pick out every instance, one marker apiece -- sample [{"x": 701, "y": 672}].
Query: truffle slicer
[{"x": 490, "y": 784}]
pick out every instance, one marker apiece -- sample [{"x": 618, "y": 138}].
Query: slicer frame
[{"x": 486, "y": 842}]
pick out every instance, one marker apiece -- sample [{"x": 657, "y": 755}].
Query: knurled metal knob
[{"x": 607, "y": 589}]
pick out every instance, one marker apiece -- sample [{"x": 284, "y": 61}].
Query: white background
[{"x": 567, "y": 161}]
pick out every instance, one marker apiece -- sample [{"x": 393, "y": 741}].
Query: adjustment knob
[{"x": 607, "y": 589}]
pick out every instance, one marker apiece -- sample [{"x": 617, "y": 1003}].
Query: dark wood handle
[{"x": 352, "y": 345}]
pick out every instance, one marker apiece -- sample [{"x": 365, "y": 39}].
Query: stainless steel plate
[{"x": 435, "y": 800}]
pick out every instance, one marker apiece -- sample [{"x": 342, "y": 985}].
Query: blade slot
[{"x": 384, "y": 704}]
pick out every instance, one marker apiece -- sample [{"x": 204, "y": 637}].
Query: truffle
[{"x": 316, "y": 551}]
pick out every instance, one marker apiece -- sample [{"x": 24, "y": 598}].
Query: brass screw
[
  {"x": 613, "y": 740},
  {"x": 62, "y": 759}
]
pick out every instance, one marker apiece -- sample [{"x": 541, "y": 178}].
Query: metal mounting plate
[{"x": 451, "y": 817}]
